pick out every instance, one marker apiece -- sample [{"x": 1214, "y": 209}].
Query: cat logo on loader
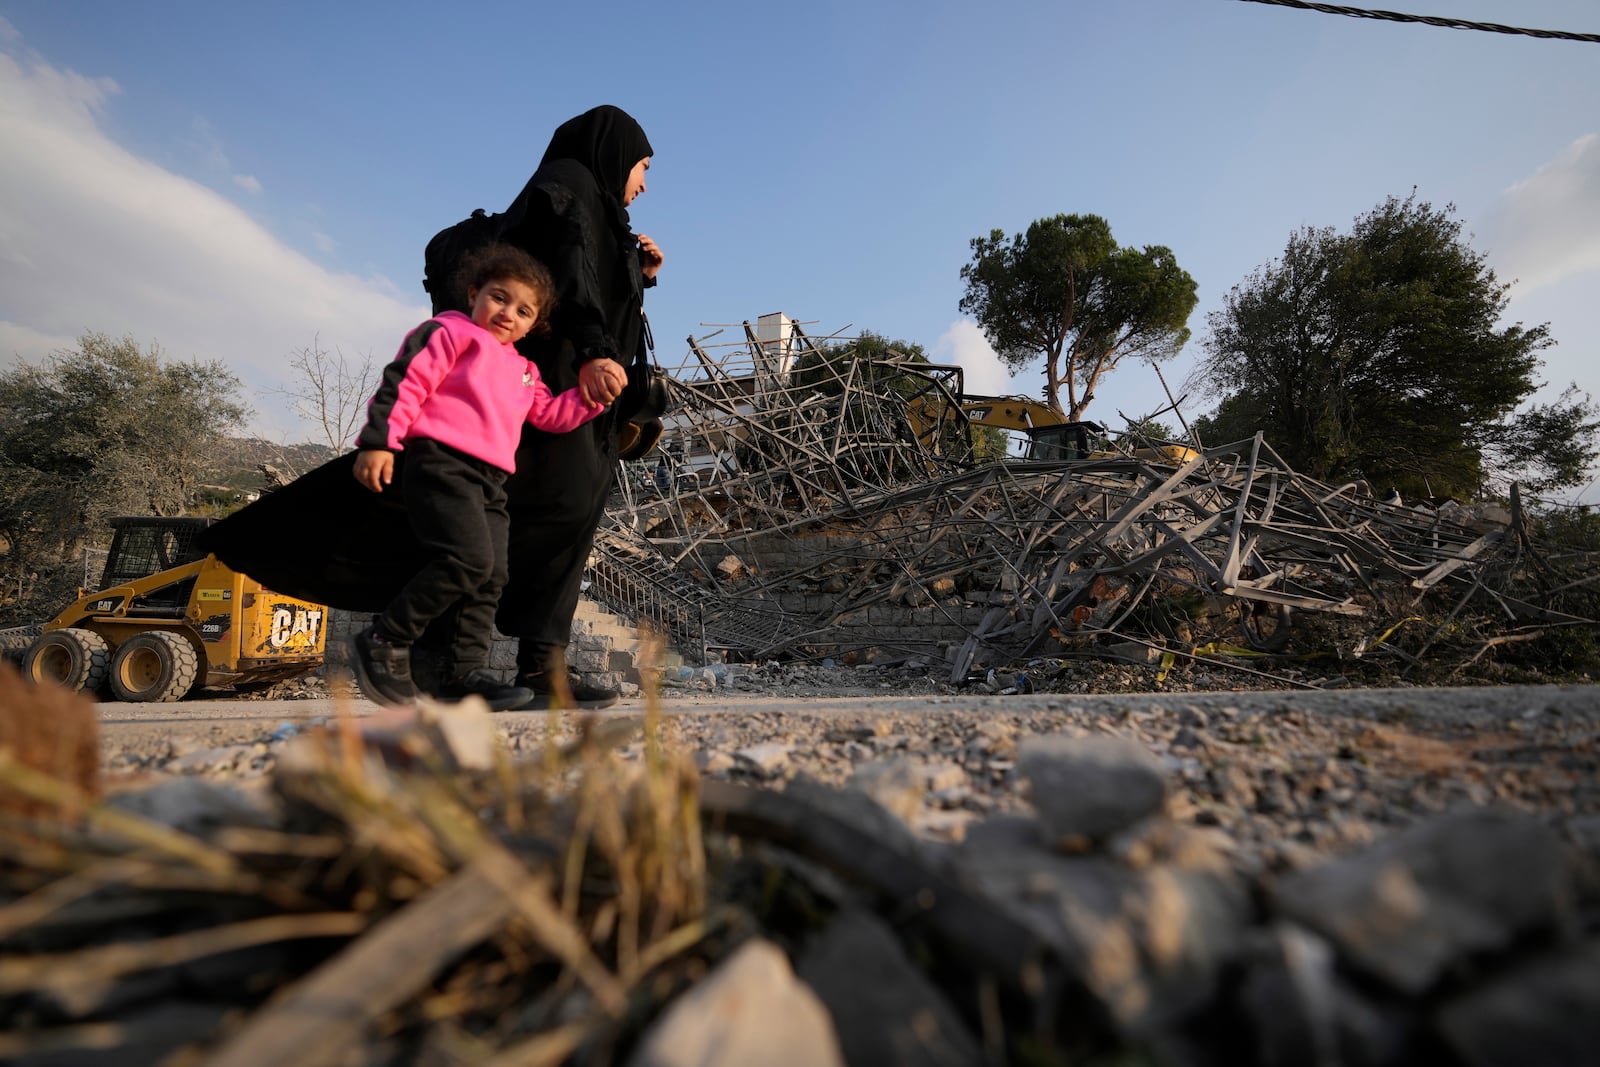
[{"x": 168, "y": 618}]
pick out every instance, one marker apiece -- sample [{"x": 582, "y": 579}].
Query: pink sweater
[{"x": 453, "y": 382}]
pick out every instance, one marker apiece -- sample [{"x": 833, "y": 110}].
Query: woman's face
[{"x": 635, "y": 184}]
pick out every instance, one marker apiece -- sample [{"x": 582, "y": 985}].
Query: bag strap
[{"x": 647, "y": 344}]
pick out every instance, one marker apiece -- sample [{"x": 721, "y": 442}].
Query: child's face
[{"x": 506, "y": 308}]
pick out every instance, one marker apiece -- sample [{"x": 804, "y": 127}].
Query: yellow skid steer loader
[{"x": 168, "y": 619}]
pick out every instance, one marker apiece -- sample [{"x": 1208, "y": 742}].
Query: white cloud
[
  {"x": 96, "y": 239},
  {"x": 1547, "y": 227},
  {"x": 248, "y": 182},
  {"x": 8, "y": 32},
  {"x": 982, "y": 372},
  {"x": 21, "y": 343}
]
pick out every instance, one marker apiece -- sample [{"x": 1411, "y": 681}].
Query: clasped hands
[{"x": 600, "y": 381}]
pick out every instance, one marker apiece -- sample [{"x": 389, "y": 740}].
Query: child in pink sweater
[{"x": 443, "y": 429}]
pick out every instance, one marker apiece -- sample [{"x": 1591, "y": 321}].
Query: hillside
[{"x": 246, "y": 464}]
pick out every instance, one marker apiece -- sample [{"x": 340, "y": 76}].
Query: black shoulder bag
[{"x": 646, "y": 397}]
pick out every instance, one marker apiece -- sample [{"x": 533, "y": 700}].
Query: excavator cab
[
  {"x": 1067, "y": 440},
  {"x": 1050, "y": 436}
]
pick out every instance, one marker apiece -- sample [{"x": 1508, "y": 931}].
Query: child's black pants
[{"x": 457, "y": 508}]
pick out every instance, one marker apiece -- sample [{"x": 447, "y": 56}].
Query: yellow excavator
[
  {"x": 1050, "y": 435},
  {"x": 169, "y": 618}
]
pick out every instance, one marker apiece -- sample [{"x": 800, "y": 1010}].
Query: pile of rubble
[{"x": 825, "y": 504}]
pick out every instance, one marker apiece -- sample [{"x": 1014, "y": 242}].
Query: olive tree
[{"x": 100, "y": 430}]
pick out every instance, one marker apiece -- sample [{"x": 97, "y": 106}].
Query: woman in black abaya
[
  {"x": 318, "y": 539},
  {"x": 572, "y": 215}
]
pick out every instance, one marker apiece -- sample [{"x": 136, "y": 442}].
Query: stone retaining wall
[{"x": 601, "y": 652}]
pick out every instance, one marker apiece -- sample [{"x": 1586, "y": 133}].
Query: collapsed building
[{"x": 808, "y": 499}]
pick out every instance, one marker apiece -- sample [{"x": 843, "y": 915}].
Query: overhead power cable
[{"x": 1431, "y": 20}]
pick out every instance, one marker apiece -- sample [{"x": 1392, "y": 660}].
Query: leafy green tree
[
  {"x": 1138, "y": 434},
  {"x": 102, "y": 430},
  {"x": 1547, "y": 446},
  {"x": 1379, "y": 353},
  {"x": 1064, "y": 290},
  {"x": 825, "y": 368}
]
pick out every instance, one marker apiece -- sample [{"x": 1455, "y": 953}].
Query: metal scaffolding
[{"x": 800, "y": 489}]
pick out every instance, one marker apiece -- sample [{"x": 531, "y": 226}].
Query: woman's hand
[
  {"x": 374, "y": 468},
  {"x": 650, "y": 257},
  {"x": 600, "y": 381}
]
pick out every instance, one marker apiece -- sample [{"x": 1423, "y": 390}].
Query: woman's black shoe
[
  {"x": 499, "y": 695},
  {"x": 580, "y": 694}
]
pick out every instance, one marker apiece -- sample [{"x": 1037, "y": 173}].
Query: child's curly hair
[{"x": 501, "y": 262}]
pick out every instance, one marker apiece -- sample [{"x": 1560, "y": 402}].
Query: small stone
[
  {"x": 767, "y": 759},
  {"x": 714, "y": 762},
  {"x": 898, "y": 785},
  {"x": 942, "y": 776},
  {"x": 1090, "y": 787},
  {"x": 751, "y": 1009},
  {"x": 467, "y": 729}
]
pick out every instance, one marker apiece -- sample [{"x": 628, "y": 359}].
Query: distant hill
[{"x": 244, "y": 465}]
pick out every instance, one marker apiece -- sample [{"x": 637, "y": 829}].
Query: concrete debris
[
  {"x": 768, "y": 759},
  {"x": 899, "y": 785},
  {"x": 195, "y": 805}
]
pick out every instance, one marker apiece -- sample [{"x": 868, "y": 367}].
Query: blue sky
[{"x": 239, "y": 181}]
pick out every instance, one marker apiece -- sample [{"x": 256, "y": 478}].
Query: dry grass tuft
[
  {"x": 520, "y": 913},
  {"x": 48, "y": 730}
]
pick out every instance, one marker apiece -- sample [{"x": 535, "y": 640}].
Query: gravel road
[{"x": 1288, "y": 775}]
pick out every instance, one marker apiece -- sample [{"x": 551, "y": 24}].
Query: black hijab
[
  {"x": 570, "y": 215},
  {"x": 607, "y": 141}
]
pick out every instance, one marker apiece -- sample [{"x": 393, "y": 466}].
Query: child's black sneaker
[
  {"x": 482, "y": 683},
  {"x": 382, "y": 668}
]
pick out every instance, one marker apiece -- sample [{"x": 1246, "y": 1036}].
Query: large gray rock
[
  {"x": 1422, "y": 901},
  {"x": 750, "y": 1010},
  {"x": 1088, "y": 788},
  {"x": 1542, "y": 1014},
  {"x": 887, "y": 1013},
  {"x": 1302, "y": 1013},
  {"x": 859, "y": 810},
  {"x": 1148, "y": 944}
]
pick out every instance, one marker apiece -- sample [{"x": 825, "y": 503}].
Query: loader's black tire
[
  {"x": 14, "y": 645},
  {"x": 154, "y": 667},
  {"x": 72, "y": 658}
]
